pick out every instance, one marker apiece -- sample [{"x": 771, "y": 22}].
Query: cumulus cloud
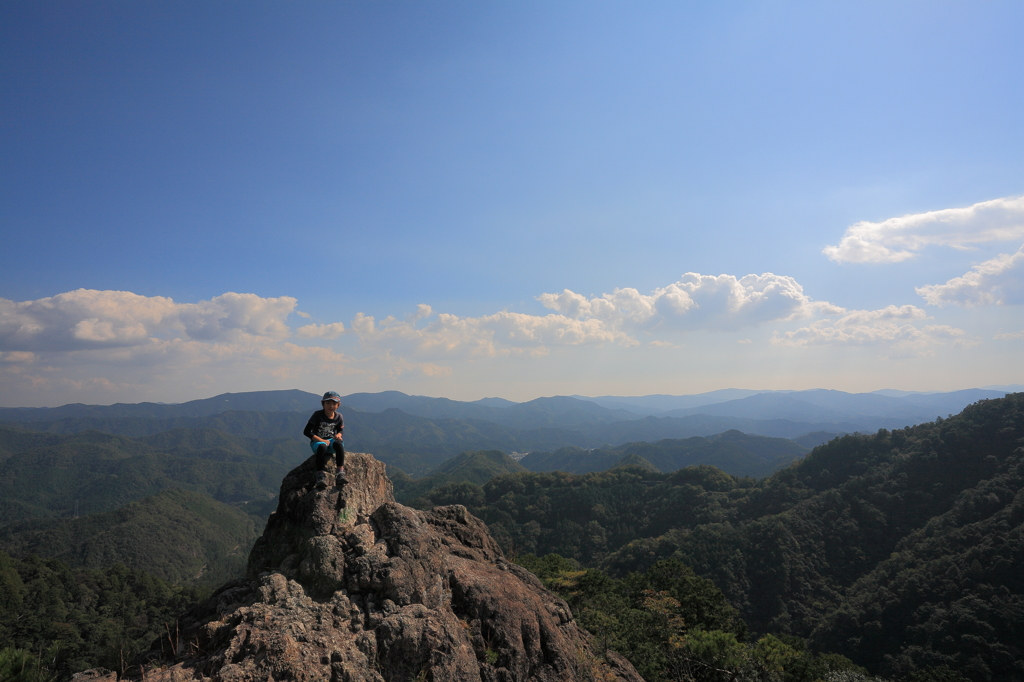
[
  {"x": 500, "y": 334},
  {"x": 696, "y": 301},
  {"x": 17, "y": 356},
  {"x": 100, "y": 346},
  {"x": 889, "y": 326},
  {"x": 994, "y": 281},
  {"x": 90, "y": 319},
  {"x": 321, "y": 331},
  {"x": 898, "y": 239},
  {"x": 722, "y": 302},
  {"x": 88, "y": 345}
]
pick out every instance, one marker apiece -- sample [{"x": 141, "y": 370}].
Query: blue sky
[{"x": 206, "y": 197}]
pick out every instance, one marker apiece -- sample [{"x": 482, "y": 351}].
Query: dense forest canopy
[
  {"x": 73, "y": 619},
  {"x": 177, "y": 535},
  {"x": 738, "y": 453}
]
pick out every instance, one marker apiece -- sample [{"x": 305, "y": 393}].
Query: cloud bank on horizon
[{"x": 89, "y": 342}]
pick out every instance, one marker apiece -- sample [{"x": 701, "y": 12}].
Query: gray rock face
[{"x": 349, "y": 586}]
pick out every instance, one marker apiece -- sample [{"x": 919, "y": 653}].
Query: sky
[{"x": 508, "y": 199}]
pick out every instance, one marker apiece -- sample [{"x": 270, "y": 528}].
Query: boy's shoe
[
  {"x": 321, "y": 480},
  {"x": 340, "y": 478}
]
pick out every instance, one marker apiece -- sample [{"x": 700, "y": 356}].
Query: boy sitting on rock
[{"x": 324, "y": 430}]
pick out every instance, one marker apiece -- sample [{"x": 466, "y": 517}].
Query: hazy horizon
[
  {"x": 1009, "y": 388},
  {"x": 514, "y": 201}
]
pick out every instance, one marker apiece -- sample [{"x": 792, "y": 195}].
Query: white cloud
[
  {"x": 86, "y": 345},
  {"x": 898, "y": 239},
  {"x": 82, "y": 319},
  {"x": 90, "y": 319},
  {"x": 889, "y": 326},
  {"x": 227, "y": 315},
  {"x": 139, "y": 331},
  {"x": 20, "y": 356},
  {"x": 696, "y": 301},
  {"x": 500, "y": 334},
  {"x": 722, "y": 302},
  {"x": 994, "y": 281},
  {"x": 321, "y": 331},
  {"x": 889, "y": 313},
  {"x": 168, "y": 370},
  {"x": 1010, "y": 336}
]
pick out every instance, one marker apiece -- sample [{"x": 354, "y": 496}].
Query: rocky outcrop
[{"x": 349, "y": 586}]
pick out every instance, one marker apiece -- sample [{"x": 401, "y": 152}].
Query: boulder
[{"x": 349, "y": 586}]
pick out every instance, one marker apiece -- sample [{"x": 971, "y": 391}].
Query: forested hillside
[
  {"x": 738, "y": 453},
  {"x": 48, "y": 475},
  {"x": 674, "y": 625},
  {"x": 472, "y": 468},
  {"x": 75, "y": 619},
  {"x": 177, "y": 535},
  {"x": 903, "y": 548}
]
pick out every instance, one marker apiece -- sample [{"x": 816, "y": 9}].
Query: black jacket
[{"x": 320, "y": 425}]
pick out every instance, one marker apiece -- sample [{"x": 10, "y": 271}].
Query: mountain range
[
  {"x": 810, "y": 406},
  {"x": 418, "y": 433}
]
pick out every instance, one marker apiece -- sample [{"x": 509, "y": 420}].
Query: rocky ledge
[{"x": 349, "y": 586}]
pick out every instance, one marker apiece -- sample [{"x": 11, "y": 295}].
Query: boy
[{"x": 324, "y": 431}]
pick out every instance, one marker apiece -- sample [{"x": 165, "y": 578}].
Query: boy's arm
[{"x": 310, "y": 430}]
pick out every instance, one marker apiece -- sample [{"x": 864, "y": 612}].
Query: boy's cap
[{"x": 331, "y": 395}]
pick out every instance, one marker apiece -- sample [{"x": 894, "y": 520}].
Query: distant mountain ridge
[
  {"x": 540, "y": 412},
  {"x": 418, "y": 433},
  {"x": 551, "y": 411},
  {"x": 254, "y": 401},
  {"x": 806, "y": 406},
  {"x": 821, "y": 405},
  {"x": 651, "y": 405},
  {"x": 861, "y": 410}
]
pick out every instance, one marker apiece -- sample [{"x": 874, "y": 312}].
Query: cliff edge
[{"x": 349, "y": 586}]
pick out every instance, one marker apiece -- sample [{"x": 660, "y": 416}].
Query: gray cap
[{"x": 331, "y": 395}]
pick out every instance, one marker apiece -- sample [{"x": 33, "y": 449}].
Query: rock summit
[{"x": 347, "y": 585}]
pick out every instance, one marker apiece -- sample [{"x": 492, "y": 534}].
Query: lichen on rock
[{"x": 347, "y": 585}]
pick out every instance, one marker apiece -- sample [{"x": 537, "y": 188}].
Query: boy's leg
[
  {"x": 322, "y": 451},
  {"x": 339, "y": 458},
  {"x": 339, "y": 451}
]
